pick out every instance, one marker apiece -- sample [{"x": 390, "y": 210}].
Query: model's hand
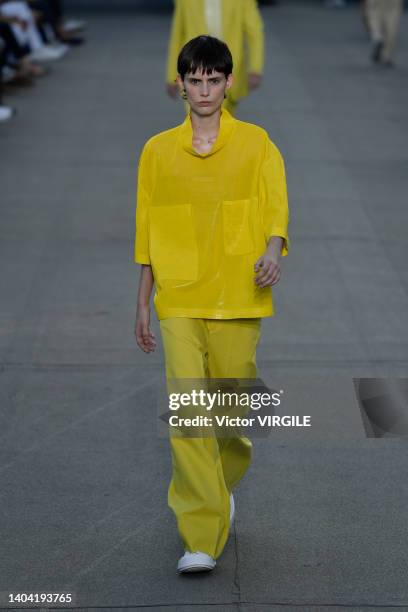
[
  {"x": 268, "y": 270},
  {"x": 172, "y": 90},
  {"x": 254, "y": 80},
  {"x": 144, "y": 336}
]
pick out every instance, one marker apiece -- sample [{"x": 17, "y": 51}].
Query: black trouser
[
  {"x": 11, "y": 46},
  {"x": 51, "y": 11},
  {"x": 2, "y": 47}
]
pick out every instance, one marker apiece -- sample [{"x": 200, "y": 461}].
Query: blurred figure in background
[
  {"x": 6, "y": 112},
  {"x": 50, "y": 22},
  {"x": 236, "y": 22},
  {"x": 383, "y": 18},
  {"x": 26, "y": 31},
  {"x": 364, "y": 16},
  {"x": 17, "y": 66},
  {"x": 31, "y": 32}
]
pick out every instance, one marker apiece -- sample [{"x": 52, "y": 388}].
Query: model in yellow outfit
[
  {"x": 238, "y": 23},
  {"x": 211, "y": 225}
]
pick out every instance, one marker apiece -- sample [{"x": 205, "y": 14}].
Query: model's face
[{"x": 205, "y": 92}]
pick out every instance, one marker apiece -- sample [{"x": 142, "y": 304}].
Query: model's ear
[
  {"x": 230, "y": 80},
  {"x": 179, "y": 81}
]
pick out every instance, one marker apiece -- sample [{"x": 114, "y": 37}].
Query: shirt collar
[{"x": 227, "y": 125}]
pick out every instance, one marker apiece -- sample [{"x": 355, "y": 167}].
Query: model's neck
[{"x": 205, "y": 125}]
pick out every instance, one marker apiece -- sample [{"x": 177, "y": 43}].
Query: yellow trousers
[{"x": 206, "y": 469}]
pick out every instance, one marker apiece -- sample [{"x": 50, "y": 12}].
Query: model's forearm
[
  {"x": 146, "y": 282},
  {"x": 274, "y": 246}
]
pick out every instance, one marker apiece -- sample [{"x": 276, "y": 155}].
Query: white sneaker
[
  {"x": 72, "y": 25},
  {"x": 195, "y": 562},
  {"x": 48, "y": 53},
  {"x": 59, "y": 47},
  {"x": 6, "y": 112},
  {"x": 232, "y": 510}
]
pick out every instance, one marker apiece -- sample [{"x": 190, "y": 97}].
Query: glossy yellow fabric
[
  {"x": 205, "y": 470},
  {"x": 241, "y": 24},
  {"x": 202, "y": 220}
]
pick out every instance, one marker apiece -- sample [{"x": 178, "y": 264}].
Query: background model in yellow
[
  {"x": 238, "y": 23},
  {"x": 211, "y": 225}
]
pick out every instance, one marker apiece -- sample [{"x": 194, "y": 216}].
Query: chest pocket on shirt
[
  {"x": 172, "y": 242},
  {"x": 236, "y": 227}
]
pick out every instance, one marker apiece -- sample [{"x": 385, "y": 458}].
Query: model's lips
[{"x": 204, "y": 103}]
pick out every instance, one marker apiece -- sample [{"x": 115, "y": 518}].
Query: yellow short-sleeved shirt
[{"x": 203, "y": 219}]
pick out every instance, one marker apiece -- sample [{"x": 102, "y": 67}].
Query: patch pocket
[
  {"x": 237, "y": 227},
  {"x": 172, "y": 242}
]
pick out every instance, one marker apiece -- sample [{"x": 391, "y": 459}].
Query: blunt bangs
[{"x": 205, "y": 53}]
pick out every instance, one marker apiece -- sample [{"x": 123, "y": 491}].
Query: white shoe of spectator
[
  {"x": 6, "y": 112},
  {"x": 74, "y": 25},
  {"x": 61, "y": 48},
  {"x": 48, "y": 53}
]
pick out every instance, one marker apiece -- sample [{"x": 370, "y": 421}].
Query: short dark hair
[{"x": 207, "y": 53}]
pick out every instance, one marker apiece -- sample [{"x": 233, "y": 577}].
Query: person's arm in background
[
  {"x": 254, "y": 32},
  {"x": 175, "y": 43},
  {"x": 273, "y": 199},
  {"x": 144, "y": 335}
]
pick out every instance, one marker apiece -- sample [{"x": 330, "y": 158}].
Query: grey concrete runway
[{"x": 320, "y": 522}]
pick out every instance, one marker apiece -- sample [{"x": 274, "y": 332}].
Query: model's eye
[
  {"x": 194, "y": 81},
  {"x": 215, "y": 81}
]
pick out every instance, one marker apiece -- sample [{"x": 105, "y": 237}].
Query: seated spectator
[
  {"x": 26, "y": 31},
  {"x": 31, "y": 31},
  {"x": 49, "y": 19},
  {"x": 15, "y": 57},
  {"x": 6, "y": 112}
]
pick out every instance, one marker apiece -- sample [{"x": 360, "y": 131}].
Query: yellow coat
[
  {"x": 203, "y": 219},
  {"x": 241, "y": 24}
]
